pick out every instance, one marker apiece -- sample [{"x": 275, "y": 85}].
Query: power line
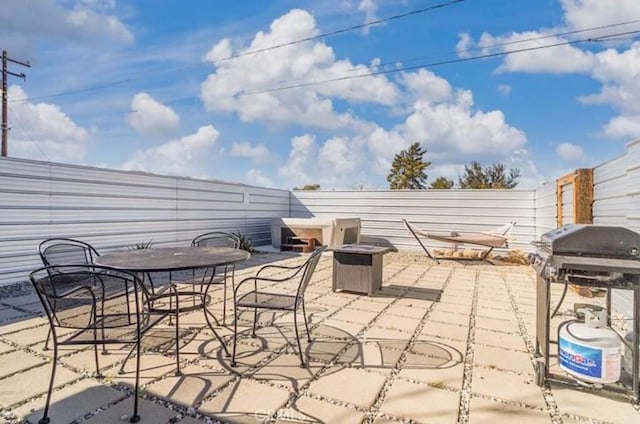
[
  {"x": 338, "y": 31},
  {"x": 491, "y": 47},
  {"x": 252, "y": 52},
  {"x": 433, "y": 64},
  {"x": 76, "y": 91},
  {"x": 509, "y": 43}
]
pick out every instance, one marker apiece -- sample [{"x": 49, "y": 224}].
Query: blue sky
[{"x": 148, "y": 85}]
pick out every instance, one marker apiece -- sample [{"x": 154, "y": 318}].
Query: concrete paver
[
  {"x": 505, "y": 359},
  {"x": 18, "y": 360},
  {"x": 388, "y": 373},
  {"x": 149, "y": 412},
  {"x": 485, "y": 411},
  {"x": 245, "y": 401},
  {"x": 421, "y": 402},
  {"x": 22, "y": 386},
  {"x": 309, "y": 410},
  {"x": 507, "y": 386},
  {"x": 71, "y": 402},
  {"x": 349, "y": 385},
  {"x": 191, "y": 387}
]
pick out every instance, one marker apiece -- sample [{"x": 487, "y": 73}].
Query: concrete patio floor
[{"x": 441, "y": 343}]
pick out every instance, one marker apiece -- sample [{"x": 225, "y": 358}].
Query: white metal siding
[
  {"x": 616, "y": 186},
  {"x": 610, "y": 192},
  {"x": 441, "y": 211},
  {"x": 545, "y": 209},
  {"x": 115, "y": 209}
]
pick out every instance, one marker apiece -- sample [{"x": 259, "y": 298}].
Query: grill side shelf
[{"x": 595, "y": 264}]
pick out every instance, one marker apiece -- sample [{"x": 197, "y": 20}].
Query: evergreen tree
[
  {"x": 407, "y": 169},
  {"x": 477, "y": 176},
  {"x": 442, "y": 183}
]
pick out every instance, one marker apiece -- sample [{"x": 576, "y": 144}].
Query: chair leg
[
  {"x": 235, "y": 336},
  {"x": 255, "y": 320},
  {"x": 224, "y": 297},
  {"x": 304, "y": 315},
  {"x": 46, "y": 342},
  {"x": 45, "y": 419},
  {"x": 95, "y": 354},
  {"x": 177, "y": 343},
  {"x": 295, "y": 326},
  {"x": 135, "y": 417}
]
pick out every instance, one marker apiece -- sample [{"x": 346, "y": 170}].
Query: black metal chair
[
  {"x": 103, "y": 305},
  {"x": 65, "y": 251},
  {"x": 258, "y": 299},
  {"x": 219, "y": 239}
]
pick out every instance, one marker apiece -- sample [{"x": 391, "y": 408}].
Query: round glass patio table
[{"x": 170, "y": 259}]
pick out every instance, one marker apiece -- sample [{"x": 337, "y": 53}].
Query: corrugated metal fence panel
[
  {"x": 610, "y": 192},
  {"x": 438, "y": 211},
  {"x": 633, "y": 185},
  {"x": 545, "y": 209},
  {"x": 114, "y": 209},
  {"x": 567, "y": 204},
  {"x": 617, "y": 202}
]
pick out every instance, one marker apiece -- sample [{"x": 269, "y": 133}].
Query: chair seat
[{"x": 258, "y": 299}]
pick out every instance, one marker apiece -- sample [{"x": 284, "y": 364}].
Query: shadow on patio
[{"x": 439, "y": 343}]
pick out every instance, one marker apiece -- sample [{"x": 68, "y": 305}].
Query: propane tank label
[{"x": 580, "y": 359}]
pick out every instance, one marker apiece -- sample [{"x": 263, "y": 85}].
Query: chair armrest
[
  {"x": 256, "y": 279},
  {"x": 278, "y": 267}
]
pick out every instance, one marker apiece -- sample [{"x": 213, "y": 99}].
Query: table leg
[{"x": 208, "y": 314}]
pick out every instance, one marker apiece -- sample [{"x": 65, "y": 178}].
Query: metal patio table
[{"x": 171, "y": 259}]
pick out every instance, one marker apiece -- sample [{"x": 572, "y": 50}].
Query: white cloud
[
  {"x": 236, "y": 84},
  {"x": 464, "y": 45},
  {"x": 559, "y": 59},
  {"x": 370, "y": 9},
  {"x": 43, "y": 131},
  {"x": 427, "y": 86},
  {"x": 257, "y": 153},
  {"x": 455, "y": 128},
  {"x": 304, "y": 151},
  {"x": 580, "y": 14},
  {"x": 189, "y": 155},
  {"x": 151, "y": 118},
  {"x": 256, "y": 177},
  {"x": 221, "y": 50},
  {"x": 23, "y": 22},
  {"x": 624, "y": 127},
  {"x": 451, "y": 131},
  {"x": 570, "y": 152},
  {"x": 617, "y": 69}
]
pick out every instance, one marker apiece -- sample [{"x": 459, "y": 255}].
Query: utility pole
[{"x": 5, "y": 95}]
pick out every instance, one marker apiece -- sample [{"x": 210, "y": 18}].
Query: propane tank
[{"x": 589, "y": 350}]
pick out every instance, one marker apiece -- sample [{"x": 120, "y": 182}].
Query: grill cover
[{"x": 593, "y": 240}]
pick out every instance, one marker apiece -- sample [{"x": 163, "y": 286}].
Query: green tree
[
  {"x": 407, "y": 169},
  {"x": 477, "y": 176},
  {"x": 442, "y": 183},
  {"x": 310, "y": 187}
]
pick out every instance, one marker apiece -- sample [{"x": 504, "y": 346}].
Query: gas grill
[{"x": 590, "y": 256}]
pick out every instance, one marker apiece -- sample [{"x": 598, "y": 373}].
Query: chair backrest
[
  {"x": 216, "y": 239},
  {"x": 308, "y": 268},
  {"x": 64, "y": 251},
  {"x": 77, "y": 296}
]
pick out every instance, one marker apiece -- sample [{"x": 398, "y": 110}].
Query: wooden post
[{"x": 582, "y": 181}]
